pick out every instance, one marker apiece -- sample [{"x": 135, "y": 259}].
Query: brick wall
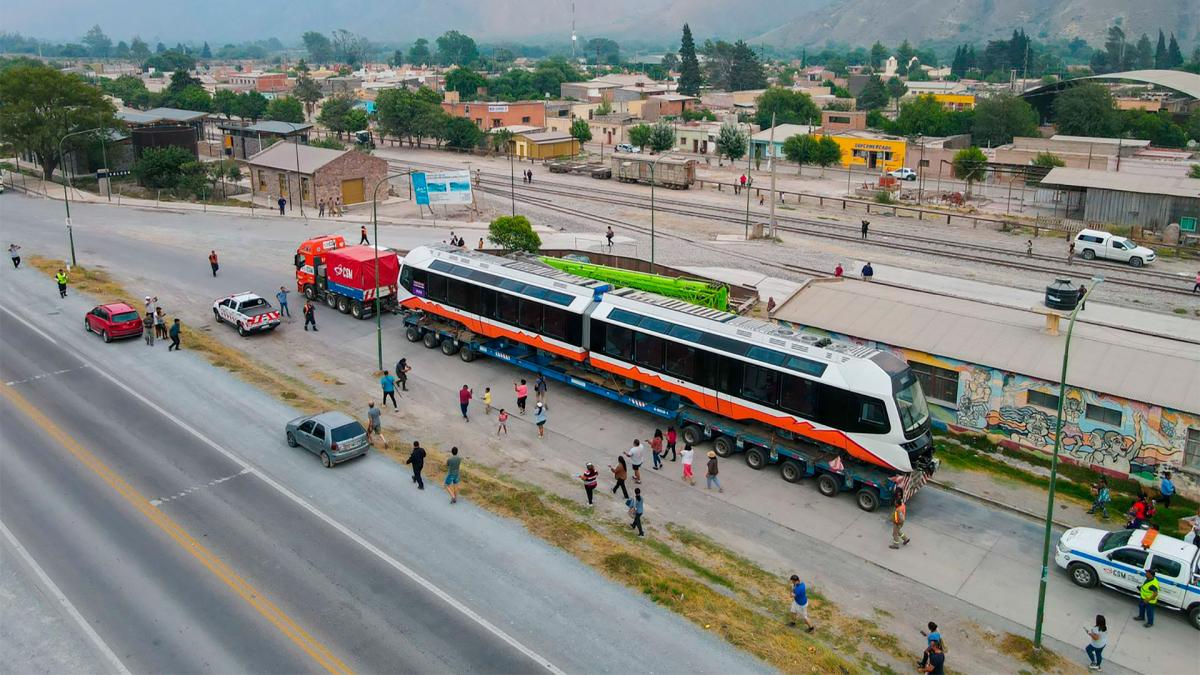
[{"x": 327, "y": 183}]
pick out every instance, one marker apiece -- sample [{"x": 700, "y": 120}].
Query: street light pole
[
  {"x": 1058, "y": 427},
  {"x": 62, "y": 163},
  {"x": 653, "y": 182},
  {"x": 512, "y": 178},
  {"x": 375, "y": 223},
  {"x": 299, "y": 177}
]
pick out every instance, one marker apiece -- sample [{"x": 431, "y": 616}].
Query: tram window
[
  {"x": 507, "y": 308},
  {"x": 724, "y": 344},
  {"x": 730, "y": 378},
  {"x": 767, "y": 355},
  {"x": 680, "y": 360},
  {"x": 648, "y": 350},
  {"x": 531, "y": 315},
  {"x": 872, "y": 415},
  {"x": 760, "y": 384},
  {"x": 833, "y": 407},
  {"x": 598, "y": 328},
  {"x": 435, "y": 288},
  {"x": 512, "y": 285},
  {"x": 805, "y": 366},
  {"x": 798, "y": 396},
  {"x": 406, "y": 277},
  {"x": 555, "y": 322},
  {"x": 487, "y": 302},
  {"x": 656, "y": 325},
  {"x": 685, "y": 333},
  {"x": 625, "y": 317},
  {"x": 618, "y": 342},
  {"x": 462, "y": 295},
  {"x": 708, "y": 369}
]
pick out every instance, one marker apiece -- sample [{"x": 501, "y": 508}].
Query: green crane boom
[{"x": 696, "y": 291}]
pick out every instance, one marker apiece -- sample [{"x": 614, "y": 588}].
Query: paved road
[{"x": 169, "y": 513}]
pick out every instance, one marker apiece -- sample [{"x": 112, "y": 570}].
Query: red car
[{"x": 115, "y": 320}]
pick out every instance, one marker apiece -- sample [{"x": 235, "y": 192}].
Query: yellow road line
[{"x": 286, "y": 625}]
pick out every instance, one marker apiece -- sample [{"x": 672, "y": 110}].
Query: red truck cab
[{"x": 306, "y": 260}]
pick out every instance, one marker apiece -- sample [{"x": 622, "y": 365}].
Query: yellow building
[
  {"x": 544, "y": 145},
  {"x": 956, "y": 101},
  {"x": 870, "y": 150}
]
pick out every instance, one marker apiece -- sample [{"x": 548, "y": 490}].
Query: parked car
[
  {"x": 1092, "y": 244},
  {"x": 249, "y": 312},
  {"x": 625, "y": 147},
  {"x": 112, "y": 321},
  {"x": 903, "y": 174},
  {"x": 333, "y": 436},
  {"x": 1120, "y": 559}
]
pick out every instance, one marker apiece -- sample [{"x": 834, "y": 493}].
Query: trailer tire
[
  {"x": 467, "y": 354},
  {"x": 331, "y": 300},
  {"x": 343, "y": 304},
  {"x": 413, "y": 334},
  {"x": 867, "y": 499},
  {"x": 756, "y": 459},
  {"x": 356, "y": 310},
  {"x": 828, "y": 485},
  {"x": 692, "y": 434},
  {"x": 310, "y": 292},
  {"x": 431, "y": 339},
  {"x": 791, "y": 471},
  {"x": 723, "y": 446},
  {"x": 449, "y": 346}
]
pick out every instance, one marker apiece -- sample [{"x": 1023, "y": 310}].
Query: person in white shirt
[
  {"x": 1099, "y": 640},
  {"x": 636, "y": 455},
  {"x": 688, "y": 453}
]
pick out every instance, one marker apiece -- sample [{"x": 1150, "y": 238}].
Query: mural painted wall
[{"x": 1145, "y": 438}]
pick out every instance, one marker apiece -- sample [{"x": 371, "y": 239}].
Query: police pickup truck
[
  {"x": 250, "y": 313},
  {"x": 1120, "y": 559}
]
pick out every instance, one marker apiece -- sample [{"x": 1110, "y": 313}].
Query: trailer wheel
[
  {"x": 723, "y": 446},
  {"x": 449, "y": 346},
  {"x": 331, "y": 300},
  {"x": 356, "y": 310},
  {"x": 413, "y": 334},
  {"x": 791, "y": 471},
  {"x": 343, "y": 304},
  {"x": 431, "y": 340},
  {"x": 692, "y": 434},
  {"x": 868, "y": 499},
  {"x": 755, "y": 458},
  {"x": 828, "y": 485},
  {"x": 467, "y": 354},
  {"x": 310, "y": 292}
]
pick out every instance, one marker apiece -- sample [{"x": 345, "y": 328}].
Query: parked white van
[
  {"x": 1092, "y": 244},
  {"x": 1120, "y": 559}
]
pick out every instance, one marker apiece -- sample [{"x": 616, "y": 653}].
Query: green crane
[{"x": 698, "y": 292}]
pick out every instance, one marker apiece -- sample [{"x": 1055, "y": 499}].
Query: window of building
[
  {"x": 939, "y": 384},
  {"x": 525, "y": 119},
  {"x": 262, "y": 180},
  {"x": 304, "y": 188},
  {"x": 1041, "y": 399},
  {"x": 839, "y": 119},
  {"x": 1103, "y": 415},
  {"x": 496, "y": 122},
  {"x": 1191, "y": 449}
]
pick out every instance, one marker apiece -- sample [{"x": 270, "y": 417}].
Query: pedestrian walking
[
  {"x": 539, "y": 418},
  {"x": 61, "y": 280},
  {"x": 388, "y": 383},
  {"x": 453, "y": 464},
  {"x": 656, "y": 448},
  {"x": 540, "y": 388},
  {"x": 609, "y": 236},
  {"x": 14, "y": 252},
  {"x": 1166, "y": 490},
  {"x": 620, "y": 472},
  {"x": 838, "y": 271},
  {"x": 310, "y": 315},
  {"x": 589, "y": 477},
  {"x": 1102, "y": 498},
  {"x": 282, "y": 297},
  {"x": 336, "y": 206},
  {"x": 800, "y": 604},
  {"x": 760, "y": 200},
  {"x": 174, "y": 333},
  {"x": 687, "y": 456},
  {"x": 710, "y": 478},
  {"x": 160, "y": 323},
  {"x": 362, "y": 236},
  {"x": 636, "y": 455},
  {"x": 522, "y": 391},
  {"x": 148, "y": 303},
  {"x": 1098, "y": 636},
  {"x": 531, "y": 176},
  {"x": 742, "y": 185},
  {"x": 487, "y": 400},
  {"x": 932, "y": 637},
  {"x": 212, "y": 262},
  {"x": 1028, "y": 248},
  {"x": 636, "y": 508},
  {"x": 770, "y": 304},
  {"x": 375, "y": 423},
  {"x": 1195, "y": 288},
  {"x": 1070, "y": 252},
  {"x": 282, "y": 201},
  {"x": 402, "y": 370},
  {"x": 502, "y": 420},
  {"x": 321, "y": 209},
  {"x": 671, "y": 438},
  {"x": 1082, "y": 298},
  {"x": 1137, "y": 513},
  {"x": 866, "y": 225},
  {"x": 937, "y": 660},
  {"x": 148, "y": 329},
  {"x": 464, "y": 400},
  {"x": 868, "y": 272},
  {"x": 1147, "y": 599},
  {"x": 899, "y": 514},
  {"x": 416, "y": 458},
  {"x": 479, "y": 246}
]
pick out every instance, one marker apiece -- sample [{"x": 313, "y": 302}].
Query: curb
[{"x": 1001, "y": 505}]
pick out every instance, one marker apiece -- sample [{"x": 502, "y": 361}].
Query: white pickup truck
[
  {"x": 251, "y": 313},
  {"x": 1092, "y": 244}
]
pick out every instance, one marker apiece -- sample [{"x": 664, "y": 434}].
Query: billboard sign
[{"x": 442, "y": 187}]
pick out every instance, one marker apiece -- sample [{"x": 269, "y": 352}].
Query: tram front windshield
[{"x": 910, "y": 401}]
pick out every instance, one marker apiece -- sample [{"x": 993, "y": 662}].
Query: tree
[
  {"x": 1193, "y": 125},
  {"x": 160, "y": 48},
  {"x": 1086, "y": 110},
  {"x": 1156, "y": 127},
  {"x": 500, "y": 139},
  {"x": 1174, "y": 56},
  {"x": 169, "y": 62},
  {"x": 606, "y": 51},
  {"x": 828, "y": 153},
  {"x": 251, "y": 105},
  {"x": 192, "y": 97},
  {"x": 285, "y": 109},
  {"x": 1144, "y": 54},
  {"x": 879, "y": 54},
  {"x": 462, "y": 134},
  {"x": 514, "y": 233},
  {"x": 1115, "y": 52},
  {"x": 403, "y": 113},
  {"x": 874, "y": 95},
  {"x": 1194, "y": 171},
  {"x": 581, "y": 131},
  {"x": 328, "y": 144},
  {"x": 333, "y": 114},
  {"x": 121, "y": 51},
  {"x": 731, "y": 142},
  {"x": 456, "y": 49},
  {"x": 350, "y": 48},
  {"x": 1048, "y": 160},
  {"x": 970, "y": 164},
  {"x": 662, "y": 136},
  {"x": 689, "y": 65},
  {"x": 162, "y": 168},
  {"x": 206, "y": 52},
  {"x": 320, "y": 49},
  {"x": 904, "y": 55},
  {"x": 1160, "y": 51},
  {"x": 181, "y": 80},
  {"x": 787, "y": 106},
  {"x": 639, "y": 135},
  {"x": 465, "y": 81},
  {"x": 921, "y": 116},
  {"x": 747, "y": 72},
  {"x": 1000, "y": 117},
  {"x": 896, "y": 88},
  {"x": 801, "y": 149},
  {"x": 605, "y": 108},
  {"x": 130, "y": 89},
  {"x": 39, "y": 106},
  {"x": 225, "y": 102},
  {"x": 138, "y": 49},
  {"x": 97, "y": 42},
  {"x": 308, "y": 92},
  {"x": 418, "y": 53}
]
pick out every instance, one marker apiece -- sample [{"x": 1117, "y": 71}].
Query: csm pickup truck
[{"x": 250, "y": 313}]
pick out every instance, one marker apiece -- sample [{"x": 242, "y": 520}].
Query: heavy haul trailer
[{"x": 798, "y": 459}]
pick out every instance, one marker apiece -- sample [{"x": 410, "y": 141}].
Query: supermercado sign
[{"x": 443, "y": 187}]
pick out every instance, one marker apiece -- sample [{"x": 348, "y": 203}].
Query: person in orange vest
[
  {"x": 899, "y": 514},
  {"x": 212, "y": 262}
]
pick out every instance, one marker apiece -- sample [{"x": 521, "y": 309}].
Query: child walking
[{"x": 503, "y": 423}]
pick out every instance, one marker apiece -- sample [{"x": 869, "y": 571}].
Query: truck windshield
[
  {"x": 910, "y": 401},
  {"x": 1114, "y": 540}
]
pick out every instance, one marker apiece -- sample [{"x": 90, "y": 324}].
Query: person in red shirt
[
  {"x": 1137, "y": 514},
  {"x": 838, "y": 271},
  {"x": 464, "y": 400},
  {"x": 671, "y": 438},
  {"x": 589, "y": 477},
  {"x": 522, "y": 390}
]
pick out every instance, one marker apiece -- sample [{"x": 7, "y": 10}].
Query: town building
[
  {"x": 261, "y": 82},
  {"x": 838, "y": 121},
  {"x": 659, "y": 106},
  {"x": 489, "y": 115},
  {"x": 956, "y": 101},
  {"x": 871, "y": 150},
  {"x": 544, "y": 145},
  {"x": 162, "y": 127},
  {"x": 239, "y": 141},
  {"x": 762, "y": 145},
  {"x": 1083, "y": 152},
  {"x": 745, "y": 99},
  {"x": 291, "y": 169},
  {"x": 1125, "y": 198}
]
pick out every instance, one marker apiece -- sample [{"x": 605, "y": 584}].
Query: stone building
[{"x": 287, "y": 169}]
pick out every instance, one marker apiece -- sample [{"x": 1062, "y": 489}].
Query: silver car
[{"x": 333, "y": 436}]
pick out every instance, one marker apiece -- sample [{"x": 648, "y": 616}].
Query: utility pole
[{"x": 771, "y": 159}]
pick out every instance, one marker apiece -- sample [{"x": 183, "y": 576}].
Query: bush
[
  {"x": 164, "y": 167},
  {"x": 884, "y": 197},
  {"x": 514, "y": 233},
  {"x": 328, "y": 143}
]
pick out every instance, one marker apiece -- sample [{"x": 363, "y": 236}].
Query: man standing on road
[
  {"x": 800, "y": 604},
  {"x": 868, "y": 272},
  {"x": 710, "y": 478},
  {"x": 1148, "y": 593},
  {"x": 375, "y": 422},
  {"x": 282, "y": 297},
  {"x": 389, "y": 390},
  {"x": 539, "y": 418},
  {"x": 282, "y": 203},
  {"x": 417, "y": 459},
  {"x": 310, "y": 315},
  {"x": 362, "y": 236},
  {"x": 464, "y": 400},
  {"x": 866, "y": 224},
  {"x": 899, "y": 515},
  {"x": 1028, "y": 248},
  {"x": 1082, "y": 298},
  {"x": 321, "y": 209},
  {"x": 452, "y": 479},
  {"x": 14, "y": 252},
  {"x": 212, "y": 262},
  {"x": 174, "y": 333},
  {"x": 609, "y": 236},
  {"x": 1070, "y": 252},
  {"x": 636, "y": 455},
  {"x": 402, "y": 369},
  {"x": 61, "y": 279},
  {"x": 540, "y": 389}
]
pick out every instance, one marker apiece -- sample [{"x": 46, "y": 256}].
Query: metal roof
[
  {"x": 1108, "y": 360},
  {"x": 283, "y": 156},
  {"x": 1098, "y": 140},
  {"x": 136, "y": 117},
  {"x": 1175, "y": 80},
  {"x": 273, "y": 127},
  {"x": 1174, "y": 186},
  {"x": 784, "y": 132},
  {"x": 176, "y": 114},
  {"x": 547, "y": 137}
]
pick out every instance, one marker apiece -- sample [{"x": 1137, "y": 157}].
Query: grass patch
[
  {"x": 1180, "y": 310},
  {"x": 1021, "y": 647}
]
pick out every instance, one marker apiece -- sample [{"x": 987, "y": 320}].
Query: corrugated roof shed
[
  {"x": 273, "y": 127},
  {"x": 283, "y": 156},
  {"x": 1118, "y": 362},
  {"x": 176, "y": 114},
  {"x": 1067, "y": 177}
]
